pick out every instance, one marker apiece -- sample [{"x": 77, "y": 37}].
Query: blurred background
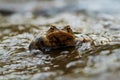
[{"x": 53, "y": 7}]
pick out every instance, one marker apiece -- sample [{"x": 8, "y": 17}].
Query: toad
[{"x": 55, "y": 38}]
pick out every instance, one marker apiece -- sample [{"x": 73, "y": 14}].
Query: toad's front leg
[{"x": 36, "y": 46}]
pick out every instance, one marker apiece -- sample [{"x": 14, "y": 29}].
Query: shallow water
[{"x": 99, "y": 60}]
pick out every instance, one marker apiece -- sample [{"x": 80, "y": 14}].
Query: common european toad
[{"x": 54, "y": 38}]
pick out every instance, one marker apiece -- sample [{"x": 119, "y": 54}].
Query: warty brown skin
[{"x": 53, "y": 39}]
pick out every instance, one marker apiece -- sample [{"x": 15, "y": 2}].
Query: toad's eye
[
  {"x": 52, "y": 28},
  {"x": 67, "y": 28}
]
